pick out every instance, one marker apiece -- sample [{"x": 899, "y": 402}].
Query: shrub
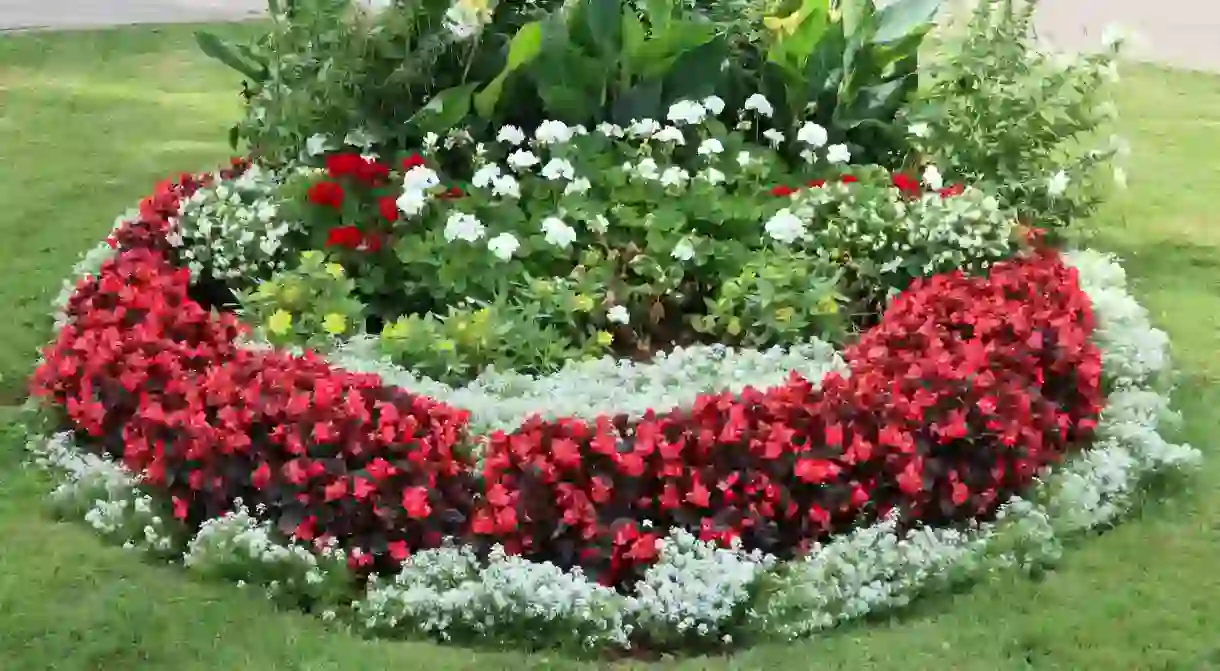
[
  {"x": 1000, "y": 108},
  {"x": 312, "y": 305}
]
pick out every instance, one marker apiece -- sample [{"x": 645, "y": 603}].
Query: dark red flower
[
  {"x": 452, "y": 192},
  {"x": 848, "y": 179},
  {"x": 372, "y": 242},
  {"x": 816, "y": 183},
  {"x": 412, "y": 161},
  {"x": 388, "y": 208},
  {"x": 952, "y": 190},
  {"x": 326, "y": 194},
  {"x": 347, "y": 237}
]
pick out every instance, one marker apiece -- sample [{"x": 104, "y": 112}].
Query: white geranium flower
[
  {"x": 759, "y": 104},
  {"x": 744, "y": 158},
  {"x": 670, "y": 134},
  {"x": 553, "y": 132},
  {"x": 579, "y": 129},
  {"x": 773, "y": 136},
  {"x": 1057, "y": 184},
  {"x": 503, "y": 246},
  {"x": 838, "y": 153},
  {"x": 618, "y": 314},
  {"x": 712, "y": 176},
  {"x": 686, "y": 112},
  {"x": 1120, "y": 177},
  {"x": 522, "y": 159},
  {"x": 510, "y": 135},
  {"x": 558, "y": 168},
  {"x": 714, "y": 105},
  {"x": 647, "y": 169},
  {"x": 412, "y": 202},
  {"x": 812, "y": 134},
  {"x": 463, "y": 226},
  {"x": 557, "y": 232},
  {"x": 600, "y": 224},
  {"x": 674, "y": 176},
  {"x": 579, "y": 186},
  {"x": 643, "y": 128},
  {"x": 485, "y": 176},
  {"x": 710, "y": 147},
  {"x": 919, "y": 130},
  {"x": 420, "y": 178},
  {"x": 932, "y": 178},
  {"x": 785, "y": 227},
  {"x": 610, "y": 130},
  {"x": 429, "y": 142},
  {"x": 465, "y": 19},
  {"x": 683, "y": 251},
  {"x": 317, "y": 145},
  {"x": 506, "y": 186}
]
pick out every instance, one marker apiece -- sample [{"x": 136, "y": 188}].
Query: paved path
[{"x": 1184, "y": 33}]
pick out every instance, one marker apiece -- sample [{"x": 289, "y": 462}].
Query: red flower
[
  {"x": 345, "y": 164},
  {"x": 388, "y": 208},
  {"x": 816, "y": 183},
  {"x": 415, "y": 502},
  {"x": 326, "y": 194},
  {"x": 452, "y": 192},
  {"x": 782, "y": 191},
  {"x": 848, "y": 179},
  {"x": 816, "y": 471},
  {"x": 261, "y": 476},
  {"x": 412, "y": 161},
  {"x": 348, "y": 237},
  {"x": 371, "y": 242},
  {"x": 952, "y": 190},
  {"x": 907, "y": 185}
]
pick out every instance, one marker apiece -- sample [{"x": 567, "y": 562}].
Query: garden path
[{"x": 1183, "y": 33}]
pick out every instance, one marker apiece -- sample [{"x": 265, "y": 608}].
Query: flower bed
[{"x": 711, "y": 517}]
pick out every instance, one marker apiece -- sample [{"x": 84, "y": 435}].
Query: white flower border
[{"x": 696, "y": 593}]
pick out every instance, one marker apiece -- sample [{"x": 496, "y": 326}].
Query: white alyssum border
[{"x": 695, "y": 593}]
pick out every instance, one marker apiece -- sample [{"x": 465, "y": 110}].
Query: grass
[{"x": 89, "y": 121}]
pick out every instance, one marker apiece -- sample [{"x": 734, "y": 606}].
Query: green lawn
[{"x": 89, "y": 121}]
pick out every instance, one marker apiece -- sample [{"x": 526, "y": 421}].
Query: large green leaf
[
  {"x": 856, "y": 14},
  {"x": 874, "y": 103},
  {"x": 602, "y": 22},
  {"x": 658, "y": 54},
  {"x": 445, "y": 110},
  {"x": 642, "y": 101},
  {"x": 524, "y": 48},
  {"x": 633, "y": 43},
  {"x": 216, "y": 48},
  {"x": 903, "y": 18},
  {"x": 697, "y": 73}
]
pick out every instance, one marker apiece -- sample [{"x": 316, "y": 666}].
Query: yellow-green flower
[
  {"x": 583, "y": 302},
  {"x": 280, "y": 322},
  {"x": 605, "y": 338},
  {"x": 334, "y": 323},
  {"x": 291, "y": 294},
  {"x": 785, "y": 314},
  {"x": 784, "y": 26},
  {"x": 309, "y": 256},
  {"x": 335, "y": 270},
  {"x": 828, "y": 305},
  {"x": 445, "y": 345},
  {"x": 267, "y": 290}
]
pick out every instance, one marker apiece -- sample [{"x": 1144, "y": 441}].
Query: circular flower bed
[{"x": 576, "y": 388}]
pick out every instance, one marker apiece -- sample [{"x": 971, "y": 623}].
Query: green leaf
[
  {"x": 523, "y": 49},
  {"x": 601, "y": 20},
  {"x": 633, "y": 41},
  {"x": 658, "y": 54},
  {"x": 696, "y": 73},
  {"x": 903, "y": 18},
  {"x": 216, "y": 48},
  {"x": 445, "y": 110},
  {"x": 856, "y": 15},
  {"x": 234, "y": 134}
]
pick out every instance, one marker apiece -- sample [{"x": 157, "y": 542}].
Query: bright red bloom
[
  {"x": 347, "y": 237},
  {"x": 782, "y": 191},
  {"x": 372, "y": 242},
  {"x": 848, "y": 179},
  {"x": 952, "y": 190},
  {"x": 906, "y": 184},
  {"x": 816, "y": 183},
  {"x": 326, "y": 194},
  {"x": 388, "y": 208},
  {"x": 412, "y": 161}
]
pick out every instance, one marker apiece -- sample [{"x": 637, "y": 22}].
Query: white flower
[
  {"x": 1120, "y": 177},
  {"x": 773, "y": 136},
  {"x": 420, "y": 178},
  {"x": 643, "y": 128},
  {"x": 1057, "y": 184},
  {"x": 464, "y": 20},
  {"x": 429, "y": 141},
  {"x": 485, "y": 175},
  {"x": 683, "y": 251},
  {"x": 674, "y": 176},
  {"x": 610, "y": 130},
  {"x": 785, "y": 227},
  {"x": 838, "y": 153},
  {"x": 317, "y": 145},
  {"x": 710, "y": 146},
  {"x": 462, "y": 226},
  {"x": 503, "y": 246},
  {"x": 744, "y": 158},
  {"x": 600, "y": 224},
  {"x": 553, "y": 132},
  {"x": 812, "y": 135},
  {"x": 412, "y": 202},
  {"x": 510, "y": 135},
  {"x": 932, "y": 178},
  {"x": 577, "y": 186},
  {"x": 618, "y": 314},
  {"x": 759, "y": 104},
  {"x": 1113, "y": 35},
  {"x": 358, "y": 138},
  {"x": 522, "y": 159},
  {"x": 557, "y": 232},
  {"x": 714, "y": 105},
  {"x": 558, "y": 168},
  {"x": 919, "y": 129},
  {"x": 506, "y": 186},
  {"x": 647, "y": 169},
  {"x": 686, "y": 112},
  {"x": 670, "y": 134},
  {"x": 711, "y": 176}
]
